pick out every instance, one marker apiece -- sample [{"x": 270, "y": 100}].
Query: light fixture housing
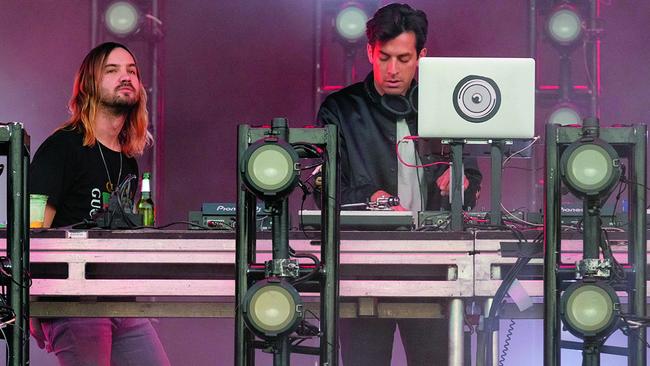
[
  {"x": 590, "y": 310},
  {"x": 351, "y": 21},
  {"x": 272, "y": 308},
  {"x": 122, "y": 18},
  {"x": 270, "y": 168},
  {"x": 590, "y": 168},
  {"x": 564, "y": 25},
  {"x": 565, "y": 113}
]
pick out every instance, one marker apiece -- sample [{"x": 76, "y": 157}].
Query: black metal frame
[
  {"x": 630, "y": 143},
  {"x": 14, "y": 143},
  {"x": 327, "y": 139},
  {"x": 456, "y": 185}
]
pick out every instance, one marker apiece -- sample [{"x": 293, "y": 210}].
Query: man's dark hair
[{"x": 394, "y": 19}]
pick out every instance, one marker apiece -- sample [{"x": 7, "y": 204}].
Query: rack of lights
[
  {"x": 269, "y": 306},
  {"x": 590, "y": 161}
]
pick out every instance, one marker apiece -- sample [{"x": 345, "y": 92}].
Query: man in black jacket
[{"x": 375, "y": 118}]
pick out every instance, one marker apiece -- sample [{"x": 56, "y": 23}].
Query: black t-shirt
[{"x": 74, "y": 176}]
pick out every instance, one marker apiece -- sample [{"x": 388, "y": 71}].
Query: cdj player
[{"x": 223, "y": 216}]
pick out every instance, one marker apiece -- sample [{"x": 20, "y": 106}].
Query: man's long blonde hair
[{"x": 134, "y": 136}]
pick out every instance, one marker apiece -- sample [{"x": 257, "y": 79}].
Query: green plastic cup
[{"x": 37, "y": 204}]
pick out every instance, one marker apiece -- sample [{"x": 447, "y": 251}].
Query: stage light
[
  {"x": 272, "y": 307},
  {"x": 122, "y": 18},
  {"x": 590, "y": 310},
  {"x": 564, "y": 25},
  {"x": 351, "y": 22},
  {"x": 270, "y": 168},
  {"x": 590, "y": 168},
  {"x": 565, "y": 114}
]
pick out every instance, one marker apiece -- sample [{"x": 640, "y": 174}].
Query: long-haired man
[{"x": 80, "y": 163}]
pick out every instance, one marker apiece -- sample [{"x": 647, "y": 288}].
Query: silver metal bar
[
  {"x": 456, "y": 341},
  {"x": 495, "y": 334}
]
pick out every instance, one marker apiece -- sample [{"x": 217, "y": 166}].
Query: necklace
[{"x": 109, "y": 184}]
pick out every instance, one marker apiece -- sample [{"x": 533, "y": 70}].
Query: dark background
[{"x": 231, "y": 62}]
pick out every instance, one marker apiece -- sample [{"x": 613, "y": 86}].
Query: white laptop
[{"x": 476, "y": 98}]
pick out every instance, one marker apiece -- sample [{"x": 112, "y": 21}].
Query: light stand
[
  {"x": 496, "y": 173},
  {"x": 456, "y": 184},
  {"x": 14, "y": 143},
  {"x": 267, "y": 294},
  {"x": 567, "y": 290}
]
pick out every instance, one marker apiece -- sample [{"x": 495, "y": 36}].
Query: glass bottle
[{"x": 145, "y": 205}]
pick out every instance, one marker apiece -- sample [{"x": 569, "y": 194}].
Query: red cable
[{"x": 414, "y": 165}]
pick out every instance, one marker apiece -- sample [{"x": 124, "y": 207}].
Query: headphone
[{"x": 397, "y": 105}]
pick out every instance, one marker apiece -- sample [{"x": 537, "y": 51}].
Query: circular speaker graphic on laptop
[{"x": 477, "y": 98}]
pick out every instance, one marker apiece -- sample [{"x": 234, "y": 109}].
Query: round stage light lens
[
  {"x": 121, "y": 18},
  {"x": 270, "y": 167},
  {"x": 272, "y": 308},
  {"x": 565, "y": 115},
  {"x": 590, "y": 310},
  {"x": 590, "y": 168},
  {"x": 351, "y": 23},
  {"x": 565, "y": 26}
]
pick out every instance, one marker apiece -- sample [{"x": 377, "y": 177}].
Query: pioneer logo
[
  {"x": 226, "y": 209},
  {"x": 571, "y": 210}
]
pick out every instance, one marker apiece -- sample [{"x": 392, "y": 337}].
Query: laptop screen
[{"x": 476, "y": 98}]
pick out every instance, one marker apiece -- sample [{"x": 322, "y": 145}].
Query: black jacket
[{"x": 367, "y": 135}]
